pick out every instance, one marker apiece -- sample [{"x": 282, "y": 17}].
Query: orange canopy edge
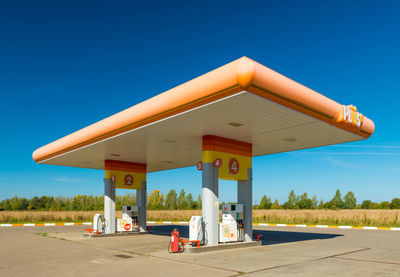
[{"x": 243, "y": 74}]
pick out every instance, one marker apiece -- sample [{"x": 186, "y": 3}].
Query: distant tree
[
  {"x": 305, "y": 202},
  {"x": 120, "y": 200},
  {"x": 21, "y": 204},
  {"x": 156, "y": 200},
  {"x": 374, "y": 205},
  {"x": 384, "y": 205},
  {"x": 275, "y": 205},
  {"x": 181, "y": 202},
  {"x": 46, "y": 202},
  {"x": 350, "y": 201},
  {"x": 336, "y": 202},
  {"x": 35, "y": 203},
  {"x": 190, "y": 202},
  {"x": 77, "y": 202},
  {"x": 265, "y": 202},
  {"x": 366, "y": 204},
  {"x": 199, "y": 202},
  {"x": 395, "y": 204},
  {"x": 170, "y": 200},
  {"x": 291, "y": 203},
  {"x": 314, "y": 201},
  {"x": 6, "y": 205}
]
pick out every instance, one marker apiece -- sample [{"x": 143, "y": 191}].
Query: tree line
[
  {"x": 182, "y": 201},
  {"x": 155, "y": 201},
  {"x": 302, "y": 201}
]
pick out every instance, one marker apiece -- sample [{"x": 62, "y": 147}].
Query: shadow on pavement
[
  {"x": 268, "y": 237},
  {"x": 165, "y": 230},
  {"x": 275, "y": 237}
]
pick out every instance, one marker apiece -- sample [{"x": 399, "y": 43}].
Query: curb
[
  {"x": 45, "y": 224},
  {"x": 330, "y": 226},
  {"x": 185, "y": 222}
]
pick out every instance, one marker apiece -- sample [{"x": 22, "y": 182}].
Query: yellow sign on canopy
[
  {"x": 232, "y": 157},
  {"x": 126, "y": 175}
]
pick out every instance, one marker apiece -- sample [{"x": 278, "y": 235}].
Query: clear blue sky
[{"x": 67, "y": 64}]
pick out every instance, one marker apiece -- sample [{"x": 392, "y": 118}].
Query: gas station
[{"x": 217, "y": 122}]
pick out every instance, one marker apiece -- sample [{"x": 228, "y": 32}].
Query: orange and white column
[
  {"x": 124, "y": 175},
  {"x": 228, "y": 159}
]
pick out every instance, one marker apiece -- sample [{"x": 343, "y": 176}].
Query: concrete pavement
[{"x": 63, "y": 251}]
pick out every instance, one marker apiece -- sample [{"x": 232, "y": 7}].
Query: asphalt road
[{"x": 288, "y": 251}]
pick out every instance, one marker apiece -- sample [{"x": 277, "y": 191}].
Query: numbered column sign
[
  {"x": 128, "y": 180},
  {"x": 218, "y": 163},
  {"x": 200, "y": 165},
  {"x": 233, "y": 166}
]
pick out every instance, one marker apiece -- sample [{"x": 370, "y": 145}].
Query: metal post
[
  {"x": 141, "y": 202},
  {"x": 109, "y": 206},
  {"x": 245, "y": 191},
  {"x": 210, "y": 202}
]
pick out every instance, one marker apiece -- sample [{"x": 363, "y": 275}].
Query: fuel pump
[
  {"x": 231, "y": 228},
  {"x": 197, "y": 229},
  {"x": 132, "y": 213},
  {"x": 98, "y": 224},
  {"x": 129, "y": 221}
]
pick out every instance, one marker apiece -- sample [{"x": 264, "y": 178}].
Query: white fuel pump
[
  {"x": 231, "y": 228},
  {"x": 197, "y": 229},
  {"x": 98, "y": 224},
  {"x": 129, "y": 221}
]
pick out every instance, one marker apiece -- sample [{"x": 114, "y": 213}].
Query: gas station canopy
[{"x": 242, "y": 100}]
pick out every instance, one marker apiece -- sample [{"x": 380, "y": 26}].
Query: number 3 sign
[
  {"x": 233, "y": 166},
  {"x": 128, "y": 180}
]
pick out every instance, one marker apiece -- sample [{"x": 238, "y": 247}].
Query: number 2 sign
[
  {"x": 233, "y": 166},
  {"x": 128, "y": 180}
]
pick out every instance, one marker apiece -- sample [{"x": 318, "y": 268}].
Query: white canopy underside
[{"x": 176, "y": 141}]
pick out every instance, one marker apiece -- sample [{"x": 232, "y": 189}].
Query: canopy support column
[
  {"x": 141, "y": 202},
  {"x": 210, "y": 202},
  {"x": 109, "y": 206},
  {"x": 245, "y": 189}
]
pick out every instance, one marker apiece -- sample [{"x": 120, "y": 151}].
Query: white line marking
[
  {"x": 281, "y": 225},
  {"x": 167, "y": 222},
  {"x": 370, "y": 228},
  {"x": 263, "y": 224},
  {"x": 301, "y": 225},
  {"x": 49, "y": 224},
  {"x": 69, "y": 224},
  {"x": 87, "y": 223},
  {"x": 151, "y": 222},
  {"x": 322, "y": 226},
  {"x": 395, "y": 229},
  {"x": 345, "y": 227},
  {"x": 183, "y": 222},
  {"x": 29, "y": 225},
  {"x": 5, "y": 225}
]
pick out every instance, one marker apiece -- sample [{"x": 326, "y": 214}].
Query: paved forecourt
[{"x": 62, "y": 251}]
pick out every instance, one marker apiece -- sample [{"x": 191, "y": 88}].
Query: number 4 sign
[{"x": 233, "y": 166}]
